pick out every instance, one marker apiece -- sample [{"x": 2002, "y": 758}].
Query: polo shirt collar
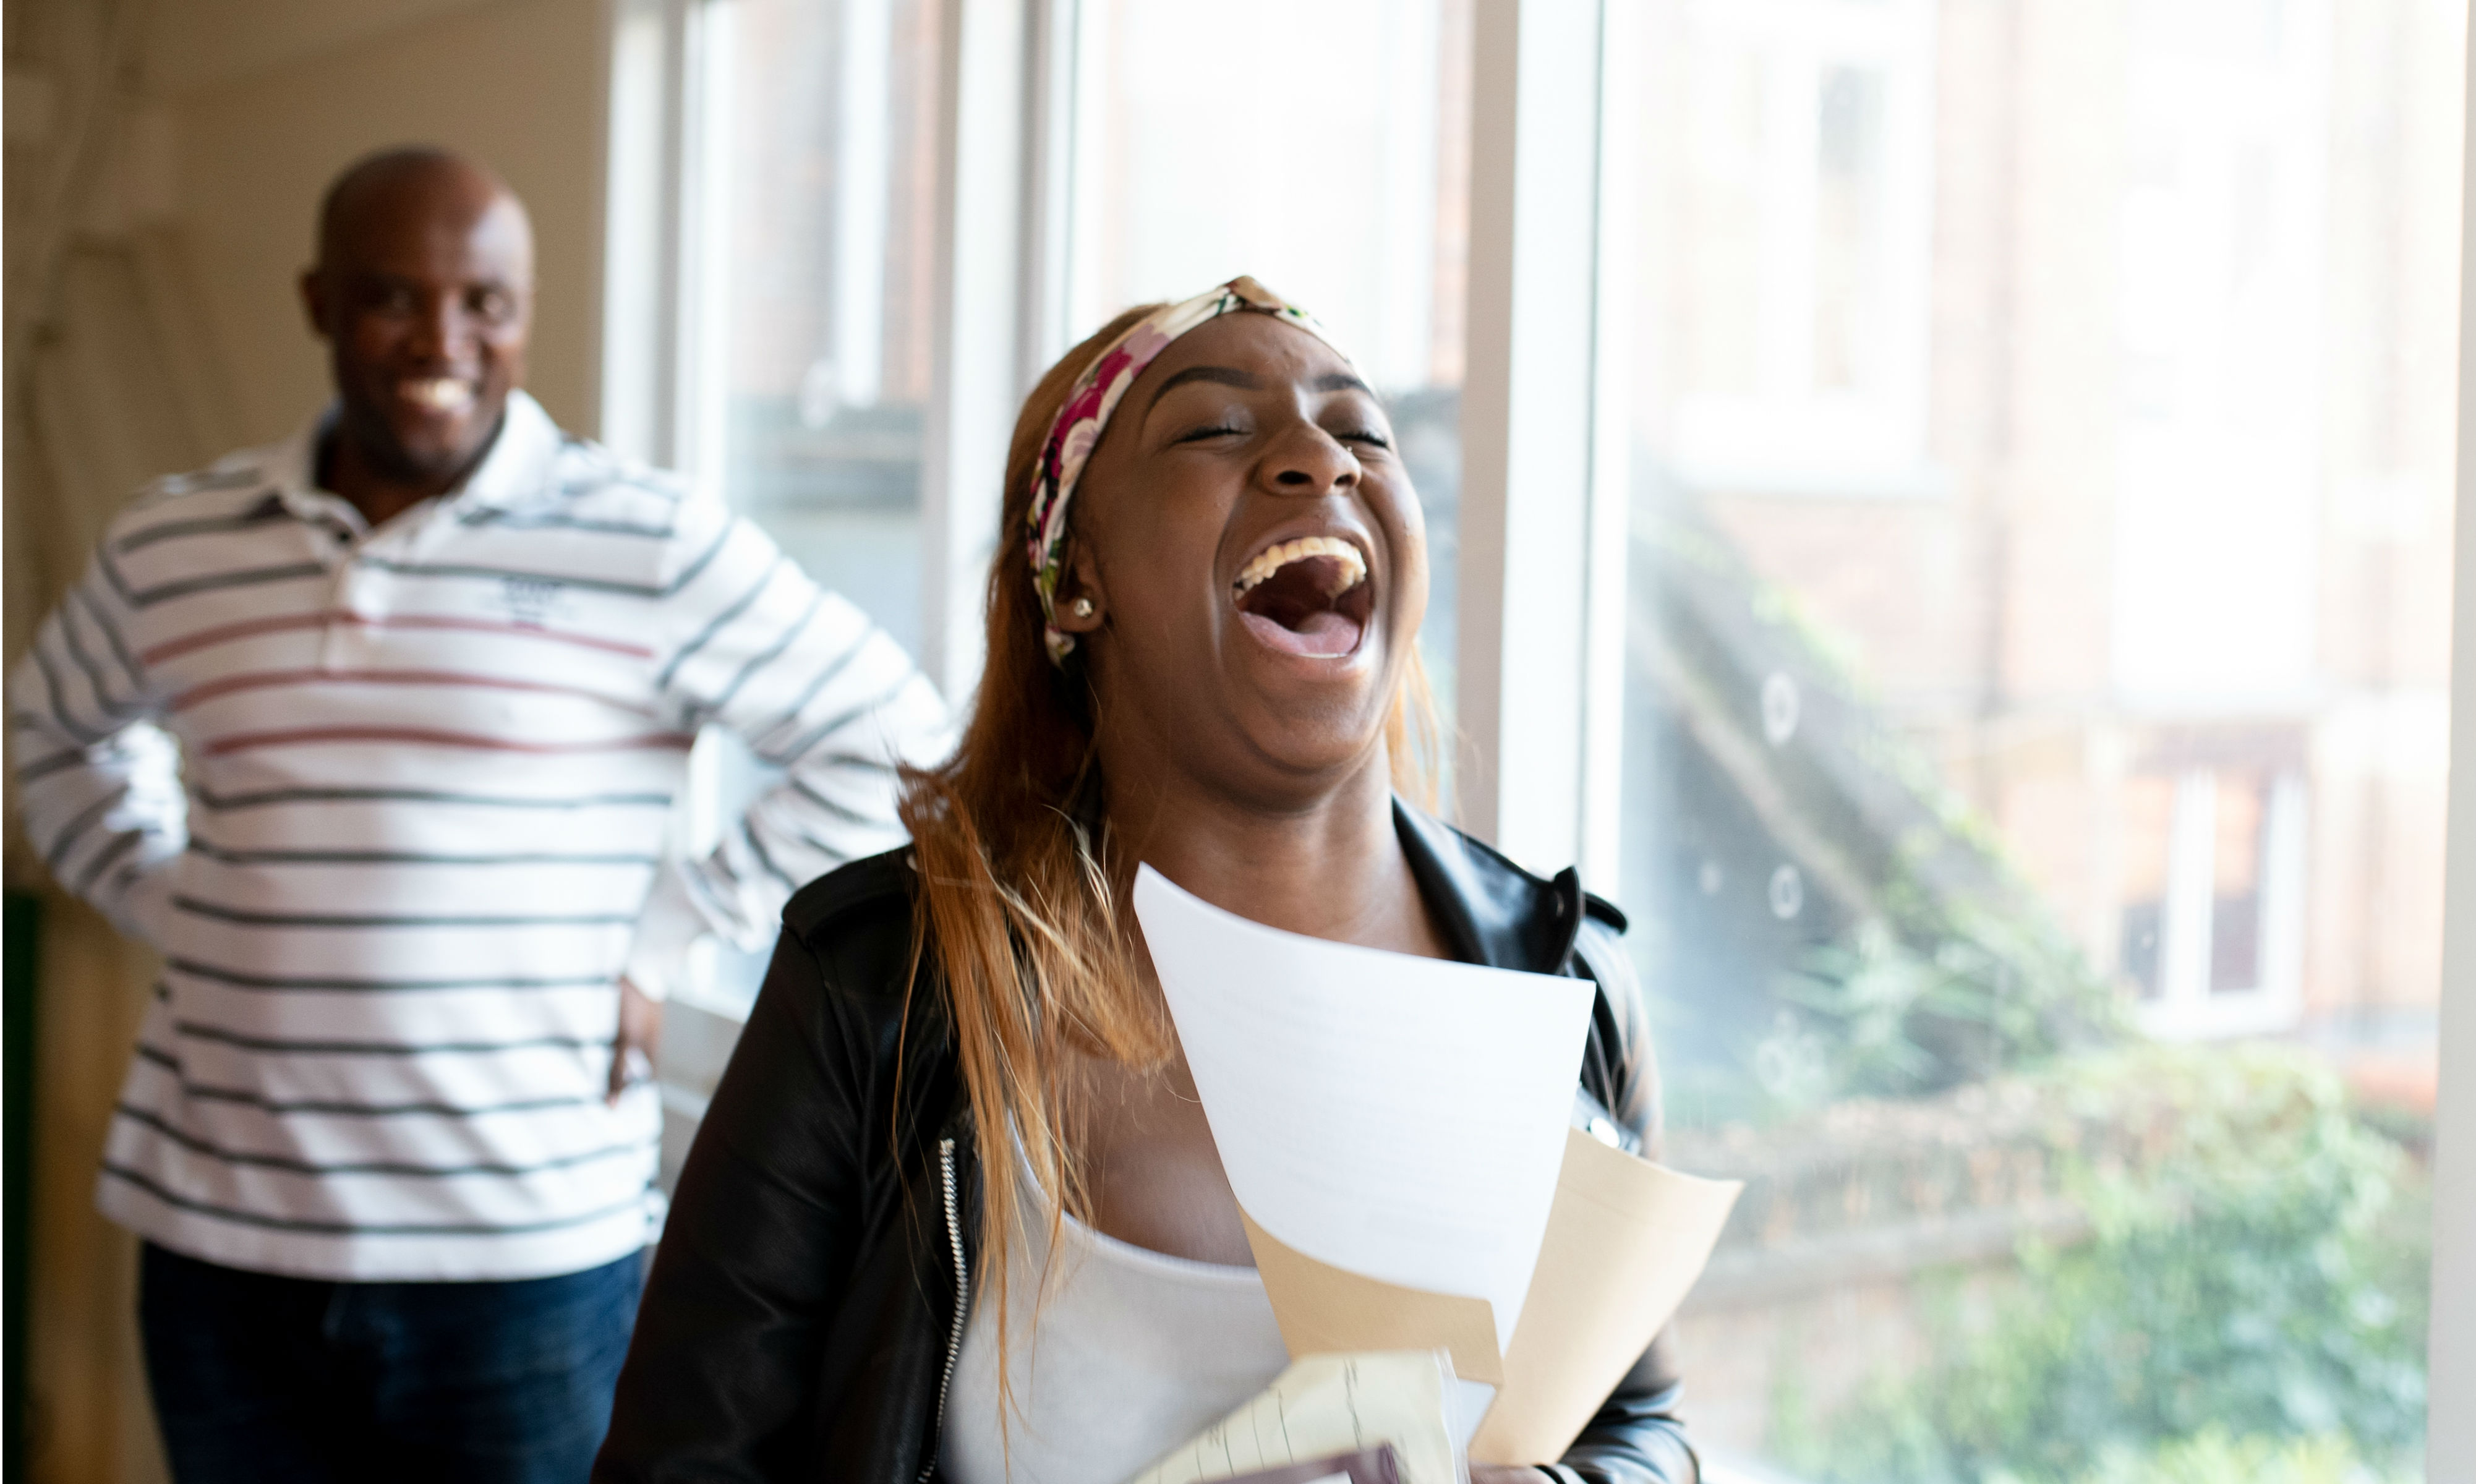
[{"x": 516, "y": 469}]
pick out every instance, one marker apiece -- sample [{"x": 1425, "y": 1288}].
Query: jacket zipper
[{"x": 962, "y": 1297}]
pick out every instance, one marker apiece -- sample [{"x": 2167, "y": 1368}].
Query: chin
[
  {"x": 1324, "y": 735},
  {"x": 433, "y": 454}
]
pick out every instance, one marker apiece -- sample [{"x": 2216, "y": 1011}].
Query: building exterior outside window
[{"x": 2044, "y": 440}]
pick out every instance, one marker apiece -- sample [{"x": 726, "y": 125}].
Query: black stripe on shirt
[
  {"x": 250, "y": 919},
  {"x": 364, "y": 1228},
  {"x": 75, "y": 830},
  {"x": 163, "y": 592},
  {"x": 842, "y": 811},
  {"x": 112, "y": 635},
  {"x": 818, "y": 733},
  {"x": 603, "y": 472},
  {"x": 771, "y": 652},
  {"x": 114, "y": 712},
  {"x": 238, "y": 979},
  {"x": 208, "y": 525},
  {"x": 824, "y": 678},
  {"x": 193, "y": 1030},
  {"x": 462, "y": 570},
  {"x": 45, "y": 767},
  {"x": 233, "y": 857},
  {"x": 499, "y": 520},
  {"x": 204, "y": 483},
  {"x": 215, "y": 1152},
  {"x": 121, "y": 845},
  {"x": 112, "y": 707},
  {"x": 757, "y": 849},
  {"x": 695, "y": 569},
  {"x": 215, "y": 800},
  {"x": 250, "y": 1097},
  {"x": 60, "y": 715},
  {"x": 720, "y": 621}
]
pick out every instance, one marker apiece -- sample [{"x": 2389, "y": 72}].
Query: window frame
[
  {"x": 2450, "y": 1435},
  {"x": 1544, "y": 494},
  {"x": 2189, "y": 1005}
]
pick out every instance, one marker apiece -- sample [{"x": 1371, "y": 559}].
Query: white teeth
[
  {"x": 1354, "y": 566},
  {"x": 442, "y": 393}
]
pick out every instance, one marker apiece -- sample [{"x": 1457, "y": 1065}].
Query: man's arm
[
  {"x": 98, "y": 784},
  {"x": 812, "y": 687}
]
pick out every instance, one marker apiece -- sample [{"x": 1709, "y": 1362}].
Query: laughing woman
[{"x": 959, "y": 1079}]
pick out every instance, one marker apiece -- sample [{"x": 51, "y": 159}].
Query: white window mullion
[
  {"x": 2187, "y": 925},
  {"x": 708, "y": 38},
  {"x": 1608, "y": 543},
  {"x": 978, "y": 322},
  {"x": 2285, "y": 879},
  {"x": 2450, "y": 1437},
  {"x": 644, "y": 194},
  {"x": 1527, "y": 405},
  {"x": 863, "y": 174},
  {"x": 1050, "y": 55}
]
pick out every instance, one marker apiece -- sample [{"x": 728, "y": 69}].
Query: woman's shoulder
[{"x": 855, "y": 922}]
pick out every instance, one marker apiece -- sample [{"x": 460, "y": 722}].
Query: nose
[
  {"x": 442, "y": 331},
  {"x": 1310, "y": 461}
]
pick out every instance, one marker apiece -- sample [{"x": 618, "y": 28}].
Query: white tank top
[{"x": 1135, "y": 1352}]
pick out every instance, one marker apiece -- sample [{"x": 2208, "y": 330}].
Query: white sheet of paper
[{"x": 1399, "y": 1117}]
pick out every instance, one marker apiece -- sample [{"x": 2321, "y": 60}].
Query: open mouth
[
  {"x": 436, "y": 393},
  {"x": 1308, "y": 596}
]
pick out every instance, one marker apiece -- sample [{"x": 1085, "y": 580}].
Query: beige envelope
[
  {"x": 1625, "y": 1241},
  {"x": 1324, "y": 1310}
]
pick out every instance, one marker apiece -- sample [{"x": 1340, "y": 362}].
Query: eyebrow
[{"x": 1247, "y": 381}]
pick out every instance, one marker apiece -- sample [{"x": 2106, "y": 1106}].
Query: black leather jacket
[{"x": 809, "y": 1295}]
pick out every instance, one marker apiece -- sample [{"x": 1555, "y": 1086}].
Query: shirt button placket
[{"x": 359, "y": 601}]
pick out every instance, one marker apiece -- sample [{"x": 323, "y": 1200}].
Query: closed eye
[
  {"x": 1201, "y": 433},
  {"x": 1366, "y": 435}
]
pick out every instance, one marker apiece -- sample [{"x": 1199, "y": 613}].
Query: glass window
[
  {"x": 1320, "y": 146},
  {"x": 817, "y": 179},
  {"x": 2034, "y": 722},
  {"x": 811, "y": 132}
]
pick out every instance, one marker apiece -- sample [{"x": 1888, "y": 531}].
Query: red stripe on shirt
[
  {"x": 307, "y": 736},
  {"x": 224, "y": 634},
  {"x": 261, "y": 679}
]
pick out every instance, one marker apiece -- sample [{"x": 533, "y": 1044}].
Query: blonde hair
[{"x": 1019, "y": 886}]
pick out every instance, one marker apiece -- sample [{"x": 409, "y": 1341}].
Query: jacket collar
[
  {"x": 1490, "y": 911},
  {"x": 517, "y": 468}
]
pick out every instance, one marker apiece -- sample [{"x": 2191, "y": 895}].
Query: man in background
[{"x": 431, "y": 669}]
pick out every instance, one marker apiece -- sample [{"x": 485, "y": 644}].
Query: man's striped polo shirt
[{"x": 393, "y": 804}]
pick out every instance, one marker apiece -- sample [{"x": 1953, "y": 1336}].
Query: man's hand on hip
[{"x": 640, "y": 1034}]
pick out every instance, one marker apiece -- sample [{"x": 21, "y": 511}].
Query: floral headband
[{"x": 1077, "y": 430}]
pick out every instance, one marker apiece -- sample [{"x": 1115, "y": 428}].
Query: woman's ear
[{"x": 1081, "y": 605}]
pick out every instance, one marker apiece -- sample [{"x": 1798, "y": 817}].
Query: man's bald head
[
  {"x": 376, "y": 193},
  {"x": 423, "y": 291}
]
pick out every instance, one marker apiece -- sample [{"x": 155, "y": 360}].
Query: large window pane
[
  {"x": 811, "y": 138},
  {"x": 1320, "y": 146},
  {"x": 2036, "y": 715},
  {"x": 818, "y": 131}
]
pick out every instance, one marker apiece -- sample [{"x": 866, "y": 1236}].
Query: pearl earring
[{"x": 1083, "y": 607}]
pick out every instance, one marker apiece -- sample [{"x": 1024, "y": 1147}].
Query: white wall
[{"x": 517, "y": 84}]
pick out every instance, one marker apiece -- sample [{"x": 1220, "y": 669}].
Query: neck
[
  {"x": 1331, "y": 867},
  {"x": 377, "y": 485}
]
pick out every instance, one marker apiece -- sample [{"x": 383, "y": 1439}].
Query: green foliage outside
[
  {"x": 2215, "y": 1458},
  {"x": 1880, "y": 1017},
  {"x": 2250, "y": 1303}
]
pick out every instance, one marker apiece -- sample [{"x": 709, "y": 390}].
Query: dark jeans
[{"x": 276, "y": 1379}]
